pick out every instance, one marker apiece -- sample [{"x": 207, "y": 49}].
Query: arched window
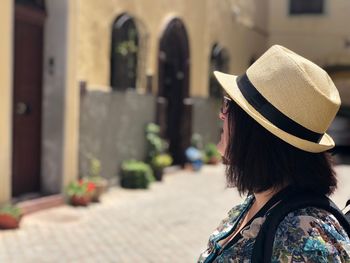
[
  {"x": 124, "y": 53},
  {"x": 219, "y": 60}
]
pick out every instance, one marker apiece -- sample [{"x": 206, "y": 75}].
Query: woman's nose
[{"x": 221, "y": 116}]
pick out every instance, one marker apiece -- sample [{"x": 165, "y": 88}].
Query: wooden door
[
  {"x": 174, "y": 108},
  {"x": 27, "y": 98}
]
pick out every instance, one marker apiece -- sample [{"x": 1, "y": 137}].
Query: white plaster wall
[{"x": 54, "y": 89}]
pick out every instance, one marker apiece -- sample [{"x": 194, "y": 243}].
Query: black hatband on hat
[{"x": 271, "y": 113}]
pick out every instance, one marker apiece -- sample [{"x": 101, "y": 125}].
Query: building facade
[
  {"x": 81, "y": 78},
  {"x": 40, "y": 98},
  {"x": 317, "y": 30},
  {"x": 66, "y": 94},
  {"x": 174, "y": 46}
]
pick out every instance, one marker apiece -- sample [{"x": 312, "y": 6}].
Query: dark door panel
[
  {"x": 27, "y": 97},
  {"x": 173, "y": 114}
]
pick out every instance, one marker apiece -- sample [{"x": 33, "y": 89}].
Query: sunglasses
[{"x": 226, "y": 101}]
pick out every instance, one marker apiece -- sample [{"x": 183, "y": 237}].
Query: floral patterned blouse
[{"x": 305, "y": 235}]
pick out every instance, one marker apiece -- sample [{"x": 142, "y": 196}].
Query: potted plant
[
  {"x": 10, "y": 217},
  {"x": 195, "y": 158},
  {"x": 101, "y": 185},
  {"x": 155, "y": 144},
  {"x": 136, "y": 174},
  {"x": 194, "y": 153},
  {"x": 80, "y": 192},
  {"x": 159, "y": 162},
  {"x": 95, "y": 177},
  {"x": 212, "y": 155}
]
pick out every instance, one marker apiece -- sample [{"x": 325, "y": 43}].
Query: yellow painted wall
[
  {"x": 71, "y": 118},
  {"x": 6, "y": 31},
  {"x": 206, "y": 21},
  {"x": 321, "y": 38},
  {"x": 242, "y": 31},
  {"x": 88, "y": 55},
  {"x": 342, "y": 81}
]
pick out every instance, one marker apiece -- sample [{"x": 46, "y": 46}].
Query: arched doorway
[
  {"x": 27, "y": 96},
  {"x": 174, "y": 109}
]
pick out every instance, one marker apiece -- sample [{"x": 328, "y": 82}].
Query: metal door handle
[{"x": 22, "y": 108}]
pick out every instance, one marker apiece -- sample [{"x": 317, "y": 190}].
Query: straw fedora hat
[{"x": 289, "y": 96}]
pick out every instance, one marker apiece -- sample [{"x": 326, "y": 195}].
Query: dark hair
[{"x": 257, "y": 160}]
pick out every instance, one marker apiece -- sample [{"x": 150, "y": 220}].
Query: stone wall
[
  {"x": 112, "y": 128},
  {"x": 206, "y": 120}
]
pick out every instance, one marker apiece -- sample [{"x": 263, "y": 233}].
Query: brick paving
[{"x": 170, "y": 222}]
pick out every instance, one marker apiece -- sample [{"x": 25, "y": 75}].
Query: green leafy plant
[
  {"x": 136, "y": 174},
  {"x": 158, "y": 163},
  {"x": 95, "y": 167},
  {"x": 80, "y": 192},
  {"x": 95, "y": 177},
  {"x": 152, "y": 128},
  {"x": 212, "y": 155},
  {"x": 161, "y": 161},
  {"x": 94, "y": 174},
  {"x": 81, "y": 187},
  {"x": 127, "y": 47},
  {"x": 155, "y": 144},
  {"x": 211, "y": 150}
]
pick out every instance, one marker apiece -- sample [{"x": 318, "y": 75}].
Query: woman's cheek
[{"x": 221, "y": 146}]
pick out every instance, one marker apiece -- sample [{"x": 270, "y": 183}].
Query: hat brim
[{"x": 229, "y": 84}]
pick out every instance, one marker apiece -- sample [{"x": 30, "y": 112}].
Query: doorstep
[{"x": 41, "y": 203}]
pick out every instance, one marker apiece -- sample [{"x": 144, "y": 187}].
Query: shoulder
[
  {"x": 238, "y": 209},
  {"x": 311, "y": 235},
  {"x": 232, "y": 215}
]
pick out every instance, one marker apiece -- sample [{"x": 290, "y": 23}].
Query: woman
[{"x": 274, "y": 122}]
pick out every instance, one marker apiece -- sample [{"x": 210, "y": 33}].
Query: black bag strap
[
  {"x": 347, "y": 214},
  {"x": 262, "y": 250},
  {"x": 273, "y": 200}
]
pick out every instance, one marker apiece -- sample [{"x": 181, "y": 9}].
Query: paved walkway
[{"x": 170, "y": 222}]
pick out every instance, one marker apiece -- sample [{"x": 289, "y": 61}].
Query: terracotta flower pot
[
  {"x": 80, "y": 200},
  {"x": 101, "y": 187},
  {"x": 8, "y": 222},
  {"x": 213, "y": 160}
]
